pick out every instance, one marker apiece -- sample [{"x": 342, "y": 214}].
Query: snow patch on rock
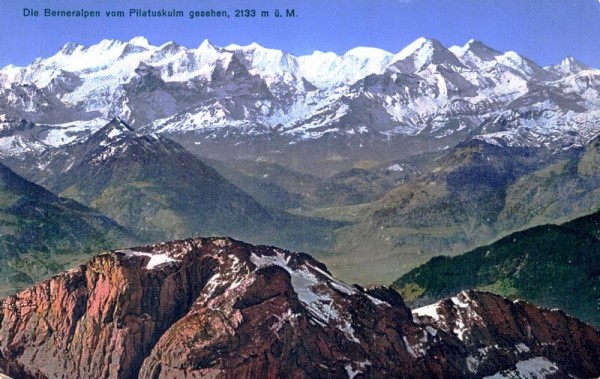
[
  {"x": 537, "y": 367},
  {"x": 155, "y": 259},
  {"x": 316, "y": 297},
  {"x": 428, "y": 311}
]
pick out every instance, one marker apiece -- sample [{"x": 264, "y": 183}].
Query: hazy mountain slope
[
  {"x": 42, "y": 234},
  {"x": 449, "y": 209},
  {"x": 158, "y": 190},
  {"x": 475, "y": 194},
  {"x": 556, "y": 266},
  {"x": 566, "y": 188},
  {"x": 285, "y": 188}
]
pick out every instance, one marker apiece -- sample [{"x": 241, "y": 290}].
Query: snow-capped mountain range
[{"x": 442, "y": 94}]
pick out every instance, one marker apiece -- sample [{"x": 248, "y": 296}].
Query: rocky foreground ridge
[{"x": 219, "y": 308}]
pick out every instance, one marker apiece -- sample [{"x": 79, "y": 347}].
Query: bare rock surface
[{"x": 219, "y": 308}]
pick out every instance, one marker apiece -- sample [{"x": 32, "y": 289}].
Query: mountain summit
[
  {"x": 569, "y": 65},
  {"x": 116, "y": 126},
  {"x": 222, "y": 308},
  {"x": 423, "y": 52}
]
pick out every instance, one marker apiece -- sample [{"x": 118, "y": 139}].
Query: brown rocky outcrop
[
  {"x": 201, "y": 308},
  {"x": 500, "y": 333}
]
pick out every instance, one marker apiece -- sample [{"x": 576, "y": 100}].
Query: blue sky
[{"x": 543, "y": 30}]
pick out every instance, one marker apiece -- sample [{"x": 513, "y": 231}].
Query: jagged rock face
[
  {"x": 100, "y": 319},
  {"x": 500, "y": 332},
  {"x": 222, "y": 308}
]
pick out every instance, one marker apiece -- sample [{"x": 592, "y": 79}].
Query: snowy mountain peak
[
  {"x": 370, "y": 53},
  {"x": 411, "y": 48},
  {"x": 113, "y": 132},
  {"x": 170, "y": 46},
  {"x": 476, "y": 48},
  {"x": 116, "y": 127},
  {"x": 207, "y": 45},
  {"x": 69, "y": 48},
  {"x": 107, "y": 44},
  {"x": 254, "y": 46},
  {"x": 135, "y": 46},
  {"x": 423, "y": 52},
  {"x": 569, "y": 65},
  {"x": 319, "y": 53},
  {"x": 250, "y": 47},
  {"x": 208, "y": 54},
  {"x": 520, "y": 64},
  {"x": 139, "y": 41},
  {"x": 265, "y": 61},
  {"x": 232, "y": 47},
  {"x": 118, "y": 123}
]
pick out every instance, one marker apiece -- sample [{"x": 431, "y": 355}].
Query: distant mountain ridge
[{"x": 249, "y": 94}]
